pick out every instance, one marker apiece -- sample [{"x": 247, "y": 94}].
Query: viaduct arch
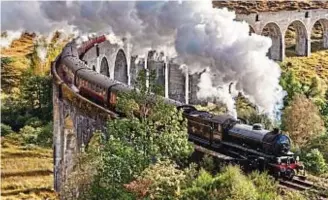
[
  {"x": 104, "y": 67},
  {"x": 273, "y": 31},
  {"x": 303, "y": 22},
  {"x": 121, "y": 67}
]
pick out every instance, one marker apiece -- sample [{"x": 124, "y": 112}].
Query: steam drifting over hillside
[{"x": 192, "y": 32}]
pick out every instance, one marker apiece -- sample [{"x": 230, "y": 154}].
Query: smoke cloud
[{"x": 193, "y": 33}]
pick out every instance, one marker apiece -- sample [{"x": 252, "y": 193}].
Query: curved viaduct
[{"x": 76, "y": 118}]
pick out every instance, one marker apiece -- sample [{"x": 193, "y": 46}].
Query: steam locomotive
[{"x": 256, "y": 147}]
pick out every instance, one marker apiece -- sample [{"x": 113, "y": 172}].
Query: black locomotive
[{"x": 255, "y": 146}]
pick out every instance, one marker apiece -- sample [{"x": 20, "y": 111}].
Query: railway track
[
  {"x": 300, "y": 184},
  {"x": 295, "y": 184}
]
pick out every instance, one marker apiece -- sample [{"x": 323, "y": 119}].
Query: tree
[
  {"x": 36, "y": 95},
  {"x": 151, "y": 131},
  {"x": 33, "y": 102},
  {"x": 161, "y": 128},
  {"x": 313, "y": 89},
  {"x": 10, "y": 75},
  {"x": 302, "y": 120},
  {"x": 291, "y": 85},
  {"x": 324, "y": 110},
  {"x": 162, "y": 180}
]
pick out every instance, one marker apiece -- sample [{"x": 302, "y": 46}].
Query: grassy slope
[
  {"x": 26, "y": 172},
  {"x": 20, "y": 47},
  {"x": 307, "y": 67}
]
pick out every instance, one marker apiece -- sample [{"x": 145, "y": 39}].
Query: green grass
[{"x": 307, "y": 67}]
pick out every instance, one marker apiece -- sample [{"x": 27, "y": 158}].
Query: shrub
[
  {"x": 294, "y": 195},
  {"x": 320, "y": 143},
  {"x": 265, "y": 185},
  {"x": 45, "y": 135},
  {"x": 314, "y": 162},
  {"x": 29, "y": 134},
  {"x": 229, "y": 184},
  {"x": 208, "y": 163},
  {"x": 34, "y": 122},
  {"x": 5, "y": 129},
  {"x": 41, "y": 136},
  {"x": 160, "y": 181},
  {"x": 235, "y": 185}
]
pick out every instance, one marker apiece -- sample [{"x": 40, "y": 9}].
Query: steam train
[{"x": 256, "y": 147}]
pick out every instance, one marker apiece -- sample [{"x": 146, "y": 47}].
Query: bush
[
  {"x": 294, "y": 195},
  {"x": 45, "y": 135},
  {"x": 34, "y": 122},
  {"x": 5, "y": 129},
  {"x": 314, "y": 162},
  {"x": 29, "y": 134},
  {"x": 41, "y": 136},
  {"x": 208, "y": 163},
  {"x": 235, "y": 185},
  {"x": 265, "y": 185},
  {"x": 229, "y": 184},
  {"x": 320, "y": 143},
  {"x": 159, "y": 181}
]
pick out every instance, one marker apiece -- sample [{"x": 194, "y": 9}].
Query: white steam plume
[
  {"x": 193, "y": 32},
  {"x": 42, "y": 53},
  {"x": 210, "y": 92},
  {"x": 5, "y": 42}
]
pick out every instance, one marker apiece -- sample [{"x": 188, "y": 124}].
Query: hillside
[
  {"x": 26, "y": 162},
  {"x": 26, "y": 171},
  {"x": 247, "y": 7},
  {"x": 20, "y": 47},
  {"x": 307, "y": 67}
]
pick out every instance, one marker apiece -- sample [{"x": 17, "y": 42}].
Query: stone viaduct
[
  {"x": 275, "y": 25},
  {"x": 76, "y": 118}
]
